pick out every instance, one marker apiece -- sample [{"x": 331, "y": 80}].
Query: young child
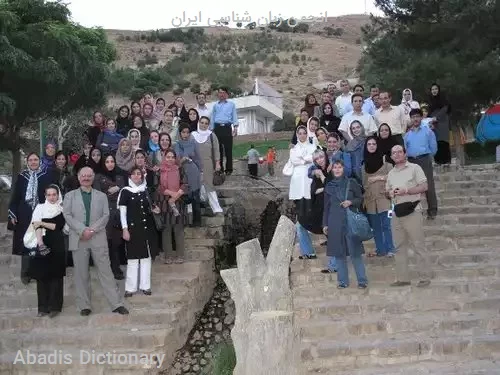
[
  {"x": 270, "y": 159},
  {"x": 170, "y": 191}
]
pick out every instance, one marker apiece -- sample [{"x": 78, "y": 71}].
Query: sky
[{"x": 166, "y": 14}]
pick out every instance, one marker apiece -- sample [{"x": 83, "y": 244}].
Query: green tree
[
  {"x": 454, "y": 43},
  {"x": 286, "y": 124},
  {"x": 48, "y": 67}
]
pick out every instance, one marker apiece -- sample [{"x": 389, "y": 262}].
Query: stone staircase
[
  {"x": 157, "y": 325},
  {"x": 451, "y": 327}
]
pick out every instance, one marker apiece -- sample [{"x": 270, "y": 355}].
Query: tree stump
[{"x": 265, "y": 337}]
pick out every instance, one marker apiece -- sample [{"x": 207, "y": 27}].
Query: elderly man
[
  {"x": 405, "y": 184},
  {"x": 86, "y": 212}
]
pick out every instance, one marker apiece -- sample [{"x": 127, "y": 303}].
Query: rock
[
  {"x": 218, "y": 338},
  {"x": 202, "y": 349},
  {"x": 208, "y": 355},
  {"x": 215, "y": 320},
  {"x": 186, "y": 368},
  {"x": 196, "y": 335},
  {"x": 218, "y": 327},
  {"x": 229, "y": 319},
  {"x": 196, "y": 369},
  {"x": 207, "y": 334},
  {"x": 203, "y": 362}
]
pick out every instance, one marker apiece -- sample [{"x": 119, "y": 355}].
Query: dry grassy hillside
[{"x": 327, "y": 57}]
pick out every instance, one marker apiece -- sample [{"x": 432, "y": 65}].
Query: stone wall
[{"x": 274, "y": 136}]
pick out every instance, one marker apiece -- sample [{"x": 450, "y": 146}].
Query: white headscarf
[
  {"x": 410, "y": 104},
  {"x": 311, "y": 134},
  {"x": 133, "y": 188},
  {"x": 45, "y": 210},
  {"x": 201, "y": 136}
]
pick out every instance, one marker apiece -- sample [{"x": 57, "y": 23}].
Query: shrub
[
  {"x": 259, "y": 72},
  {"x": 358, "y": 41},
  {"x": 183, "y": 84},
  {"x": 178, "y": 91},
  {"x": 267, "y": 62},
  {"x": 275, "y": 73},
  {"x": 224, "y": 361},
  {"x": 152, "y": 48},
  {"x": 195, "y": 88},
  {"x": 127, "y": 38},
  {"x": 300, "y": 72},
  {"x": 287, "y": 123},
  {"x": 303, "y": 57},
  {"x": 120, "y": 38},
  {"x": 173, "y": 50}
]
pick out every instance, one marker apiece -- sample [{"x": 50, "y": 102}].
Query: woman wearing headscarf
[
  {"x": 385, "y": 142},
  {"x": 135, "y": 109},
  {"x": 172, "y": 188},
  {"x": 321, "y": 136},
  {"x": 134, "y": 136},
  {"x": 328, "y": 119},
  {"x": 125, "y": 157},
  {"x": 167, "y": 125},
  {"x": 138, "y": 231},
  {"x": 29, "y": 190},
  {"x": 45, "y": 232},
  {"x": 377, "y": 205},
  {"x": 311, "y": 105},
  {"x": 311, "y": 126},
  {"x": 97, "y": 124},
  {"x": 208, "y": 145},
  {"x": 407, "y": 102},
  {"x": 154, "y": 156},
  {"x": 313, "y": 221},
  {"x": 49, "y": 157},
  {"x": 61, "y": 174},
  {"x": 139, "y": 125},
  {"x": 342, "y": 194},
  {"x": 159, "y": 109},
  {"x": 355, "y": 149},
  {"x": 194, "y": 118},
  {"x": 123, "y": 120},
  {"x": 188, "y": 155},
  {"x": 165, "y": 144},
  {"x": 440, "y": 110},
  {"x": 150, "y": 120},
  {"x": 84, "y": 160},
  {"x": 110, "y": 181},
  {"x": 109, "y": 138},
  {"x": 334, "y": 151},
  {"x": 302, "y": 118},
  {"x": 95, "y": 160},
  {"x": 179, "y": 110}
]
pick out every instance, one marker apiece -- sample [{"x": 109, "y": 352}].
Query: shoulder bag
[
  {"x": 158, "y": 218},
  {"x": 357, "y": 222},
  {"x": 288, "y": 169},
  {"x": 219, "y": 177}
]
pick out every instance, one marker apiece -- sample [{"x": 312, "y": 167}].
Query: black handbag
[
  {"x": 219, "y": 177},
  {"x": 405, "y": 209},
  {"x": 38, "y": 252},
  {"x": 158, "y": 218}
]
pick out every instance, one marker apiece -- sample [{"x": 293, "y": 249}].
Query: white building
[{"x": 258, "y": 111}]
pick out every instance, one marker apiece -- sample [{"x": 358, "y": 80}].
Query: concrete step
[
  {"x": 379, "y": 292},
  {"x": 464, "y": 271},
  {"x": 379, "y": 326},
  {"x": 358, "y": 353},
  {"x": 467, "y": 198},
  {"x": 79, "y": 362},
  {"x": 452, "y": 366},
  {"x": 312, "y": 310}
]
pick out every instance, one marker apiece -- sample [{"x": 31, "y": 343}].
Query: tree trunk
[
  {"x": 15, "y": 151},
  {"x": 265, "y": 337}
]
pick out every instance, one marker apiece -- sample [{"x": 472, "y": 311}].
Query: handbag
[
  {"x": 38, "y": 251},
  {"x": 288, "y": 168},
  {"x": 219, "y": 176},
  {"x": 405, "y": 209},
  {"x": 357, "y": 222},
  {"x": 158, "y": 218}
]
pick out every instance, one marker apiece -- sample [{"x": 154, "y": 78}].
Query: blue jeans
[
  {"x": 343, "y": 273},
  {"x": 305, "y": 242},
  {"x": 332, "y": 264},
  {"x": 381, "y": 226}
]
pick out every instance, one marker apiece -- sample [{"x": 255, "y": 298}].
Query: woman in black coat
[
  {"x": 138, "y": 231},
  {"x": 29, "y": 190}
]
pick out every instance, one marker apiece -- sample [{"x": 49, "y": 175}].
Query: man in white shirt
[
  {"x": 344, "y": 99},
  {"x": 202, "y": 108},
  {"x": 394, "y": 116},
  {"x": 358, "y": 114},
  {"x": 368, "y": 106}
]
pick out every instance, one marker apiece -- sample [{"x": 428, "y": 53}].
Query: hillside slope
[{"x": 322, "y": 57}]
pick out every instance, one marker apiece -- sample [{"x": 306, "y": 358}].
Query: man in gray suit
[{"x": 86, "y": 212}]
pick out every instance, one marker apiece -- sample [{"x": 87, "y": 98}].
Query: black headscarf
[
  {"x": 385, "y": 146},
  {"x": 439, "y": 101},
  {"x": 96, "y": 167},
  {"x": 105, "y": 171},
  {"x": 193, "y": 125},
  {"x": 372, "y": 161},
  {"x": 123, "y": 124}
]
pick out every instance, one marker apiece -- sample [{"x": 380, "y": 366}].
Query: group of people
[
  {"x": 140, "y": 179},
  {"x": 370, "y": 157}
]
